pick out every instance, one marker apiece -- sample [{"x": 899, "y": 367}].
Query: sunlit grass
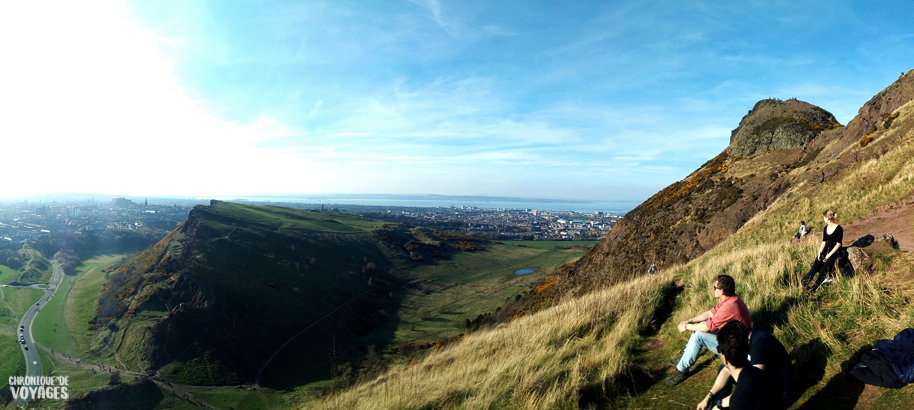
[{"x": 542, "y": 361}]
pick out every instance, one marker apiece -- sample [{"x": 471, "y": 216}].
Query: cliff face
[
  {"x": 234, "y": 283},
  {"x": 778, "y": 146},
  {"x": 774, "y": 124}
]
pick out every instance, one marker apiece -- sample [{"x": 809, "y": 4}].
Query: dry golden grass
[{"x": 541, "y": 361}]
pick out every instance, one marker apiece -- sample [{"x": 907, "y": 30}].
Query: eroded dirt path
[{"x": 896, "y": 219}]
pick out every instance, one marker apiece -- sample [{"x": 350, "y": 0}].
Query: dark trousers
[{"x": 822, "y": 268}]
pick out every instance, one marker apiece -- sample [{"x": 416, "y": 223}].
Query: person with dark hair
[
  {"x": 753, "y": 391},
  {"x": 766, "y": 353},
  {"x": 704, "y": 327},
  {"x": 832, "y": 235},
  {"x": 803, "y": 230}
]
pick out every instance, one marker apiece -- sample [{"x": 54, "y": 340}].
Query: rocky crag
[{"x": 778, "y": 146}]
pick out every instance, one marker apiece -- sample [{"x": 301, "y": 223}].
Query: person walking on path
[
  {"x": 704, "y": 327},
  {"x": 832, "y": 235}
]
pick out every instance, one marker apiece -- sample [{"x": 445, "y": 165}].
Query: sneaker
[
  {"x": 675, "y": 362},
  {"x": 677, "y": 377},
  {"x": 824, "y": 282}
]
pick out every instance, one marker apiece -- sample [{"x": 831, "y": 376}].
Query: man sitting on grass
[
  {"x": 706, "y": 325},
  {"x": 753, "y": 391}
]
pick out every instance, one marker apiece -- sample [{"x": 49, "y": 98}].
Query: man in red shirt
[{"x": 704, "y": 327}]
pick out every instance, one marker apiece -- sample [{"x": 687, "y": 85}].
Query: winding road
[{"x": 33, "y": 365}]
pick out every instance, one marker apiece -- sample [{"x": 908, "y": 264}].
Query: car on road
[
  {"x": 36, "y": 303},
  {"x": 26, "y": 348}
]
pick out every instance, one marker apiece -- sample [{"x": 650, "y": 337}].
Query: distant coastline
[{"x": 444, "y": 201}]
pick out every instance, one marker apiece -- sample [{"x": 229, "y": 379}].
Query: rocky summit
[{"x": 775, "y": 124}]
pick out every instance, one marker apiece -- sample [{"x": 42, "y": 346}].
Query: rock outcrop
[
  {"x": 859, "y": 259},
  {"x": 775, "y": 124}
]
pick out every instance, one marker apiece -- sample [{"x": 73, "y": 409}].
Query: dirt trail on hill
[{"x": 898, "y": 222}]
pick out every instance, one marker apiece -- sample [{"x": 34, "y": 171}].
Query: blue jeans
[{"x": 693, "y": 349}]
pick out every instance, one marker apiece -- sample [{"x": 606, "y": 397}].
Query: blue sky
[{"x": 607, "y": 100}]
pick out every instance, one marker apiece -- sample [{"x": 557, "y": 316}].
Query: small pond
[{"x": 523, "y": 272}]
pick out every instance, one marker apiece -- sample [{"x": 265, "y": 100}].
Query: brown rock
[
  {"x": 849, "y": 159},
  {"x": 888, "y": 239},
  {"x": 829, "y": 172},
  {"x": 859, "y": 259},
  {"x": 775, "y": 124}
]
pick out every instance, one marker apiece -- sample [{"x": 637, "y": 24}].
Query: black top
[
  {"x": 767, "y": 350},
  {"x": 754, "y": 391},
  {"x": 835, "y": 238}
]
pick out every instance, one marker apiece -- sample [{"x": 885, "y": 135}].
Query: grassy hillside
[
  {"x": 289, "y": 297},
  {"x": 573, "y": 354},
  {"x": 607, "y": 354},
  {"x": 35, "y": 268}
]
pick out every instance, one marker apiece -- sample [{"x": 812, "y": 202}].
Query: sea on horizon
[{"x": 609, "y": 207}]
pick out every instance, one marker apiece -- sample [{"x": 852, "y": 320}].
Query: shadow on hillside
[
  {"x": 809, "y": 361},
  {"x": 841, "y": 392},
  {"x": 139, "y": 395},
  {"x": 637, "y": 377},
  {"x": 664, "y": 310},
  {"x": 767, "y": 320}
]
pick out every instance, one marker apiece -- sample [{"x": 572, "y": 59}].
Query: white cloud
[{"x": 91, "y": 103}]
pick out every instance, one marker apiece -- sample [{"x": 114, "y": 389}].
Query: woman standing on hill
[{"x": 832, "y": 236}]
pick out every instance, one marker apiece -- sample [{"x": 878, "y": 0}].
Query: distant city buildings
[
  {"x": 500, "y": 223},
  {"x": 23, "y": 221}
]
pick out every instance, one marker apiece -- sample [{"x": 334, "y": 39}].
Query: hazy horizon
[{"x": 381, "y": 200}]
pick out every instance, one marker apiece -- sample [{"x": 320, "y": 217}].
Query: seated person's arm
[
  {"x": 702, "y": 317},
  {"x": 719, "y": 383},
  {"x": 697, "y": 323}
]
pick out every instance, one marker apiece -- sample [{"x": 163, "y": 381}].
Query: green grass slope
[{"x": 35, "y": 268}]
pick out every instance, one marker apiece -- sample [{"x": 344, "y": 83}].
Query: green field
[
  {"x": 129, "y": 393},
  {"x": 57, "y": 326},
  {"x": 552, "y": 244},
  {"x": 288, "y": 218},
  {"x": 242, "y": 398},
  {"x": 449, "y": 292},
  {"x": 62, "y": 323},
  {"x": 6, "y": 274}
]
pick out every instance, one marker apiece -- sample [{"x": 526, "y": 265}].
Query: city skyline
[{"x": 587, "y": 101}]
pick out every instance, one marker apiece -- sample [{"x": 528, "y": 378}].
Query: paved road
[{"x": 32, "y": 359}]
